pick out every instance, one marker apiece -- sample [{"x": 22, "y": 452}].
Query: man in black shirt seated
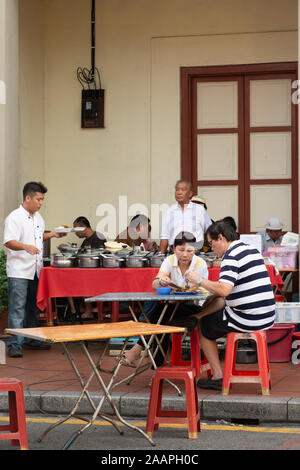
[{"x": 92, "y": 239}]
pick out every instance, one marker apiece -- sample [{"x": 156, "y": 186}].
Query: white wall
[
  {"x": 140, "y": 46},
  {"x": 9, "y": 112}
]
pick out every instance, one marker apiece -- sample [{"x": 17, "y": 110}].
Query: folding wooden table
[{"x": 82, "y": 333}]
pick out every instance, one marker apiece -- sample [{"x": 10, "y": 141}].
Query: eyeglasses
[{"x": 210, "y": 244}]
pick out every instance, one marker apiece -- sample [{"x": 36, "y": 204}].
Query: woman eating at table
[{"x": 173, "y": 270}]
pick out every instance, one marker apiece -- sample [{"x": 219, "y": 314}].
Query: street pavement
[{"x": 170, "y": 440}]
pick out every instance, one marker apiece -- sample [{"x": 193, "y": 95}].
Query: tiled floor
[{"x": 51, "y": 371}]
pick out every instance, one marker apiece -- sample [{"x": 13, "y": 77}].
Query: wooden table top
[{"x": 94, "y": 331}]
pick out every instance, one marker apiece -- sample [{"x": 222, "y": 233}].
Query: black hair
[
  {"x": 183, "y": 238},
  {"x": 82, "y": 221},
  {"x": 139, "y": 219},
  {"x": 221, "y": 227},
  {"x": 230, "y": 220},
  {"x": 33, "y": 187}
]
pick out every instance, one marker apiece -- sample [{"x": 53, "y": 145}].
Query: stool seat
[
  {"x": 196, "y": 362},
  {"x": 16, "y": 428},
  {"x": 156, "y": 415},
  {"x": 232, "y": 375},
  {"x": 114, "y": 314}
]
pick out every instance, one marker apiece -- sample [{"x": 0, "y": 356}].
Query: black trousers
[{"x": 185, "y": 309}]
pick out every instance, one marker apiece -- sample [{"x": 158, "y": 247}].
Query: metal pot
[
  {"x": 209, "y": 259},
  {"x": 156, "y": 261},
  {"x": 71, "y": 249},
  {"x": 135, "y": 262},
  {"x": 246, "y": 352},
  {"x": 88, "y": 261},
  {"x": 60, "y": 260},
  {"x": 110, "y": 261}
]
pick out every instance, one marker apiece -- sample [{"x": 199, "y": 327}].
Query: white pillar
[{"x": 9, "y": 111}]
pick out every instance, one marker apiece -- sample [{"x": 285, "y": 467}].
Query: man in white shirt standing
[
  {"x": 183, "y": 216},
  {"x": 24, "y": 233}
]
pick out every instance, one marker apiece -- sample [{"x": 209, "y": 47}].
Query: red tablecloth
[{"x": 77, "y": 282}]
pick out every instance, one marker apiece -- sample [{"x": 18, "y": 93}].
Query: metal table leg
[
  {"x": 107, "y": 396},
  {"x": 147, "y": 348}
]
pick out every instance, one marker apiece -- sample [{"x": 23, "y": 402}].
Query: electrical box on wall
[{"x": 92, "y": 108}]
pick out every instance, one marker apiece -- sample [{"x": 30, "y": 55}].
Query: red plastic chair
[
  {"x": 113, "y": 312},
  {"x": 16, "y": 428},
  {"x": 195, "y": 362},
  {"x": 191, "y": 416},
  {"x": 232, "y": 375}
]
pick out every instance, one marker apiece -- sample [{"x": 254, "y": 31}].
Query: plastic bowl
[{"x": 163, "y": 290}]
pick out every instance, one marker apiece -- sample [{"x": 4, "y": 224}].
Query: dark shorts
[{"x": 213, "y": 326}]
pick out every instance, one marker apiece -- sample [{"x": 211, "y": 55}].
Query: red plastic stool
[
  {"x": 115, "y": 315},
  {"x": 17, "y": 425},
  {"x": 232, "y": 375},
  {"x": 191, "y": 416},
  {"x": 195, "y": 362}
]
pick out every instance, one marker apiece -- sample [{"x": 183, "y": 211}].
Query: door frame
[{"x": 187, "y": 76}]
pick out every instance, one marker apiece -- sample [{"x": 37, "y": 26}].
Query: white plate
[
  {"x": 77, "y": 229},
  {"x": 63, "y": 229}
]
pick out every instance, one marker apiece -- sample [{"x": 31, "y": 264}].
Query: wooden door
[{"x": 239, "y": 142}]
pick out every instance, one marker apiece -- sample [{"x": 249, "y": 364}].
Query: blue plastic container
[{"x": 163, "y": 290}]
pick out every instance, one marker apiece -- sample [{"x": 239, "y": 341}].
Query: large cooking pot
[
  {"x": 209, "y": 258},
  {"x": 60, "y": 260},
  {"x": 86, "y": 260},
  {"x": 155, "y": 261},
  {"x": 111, "y": 261},
  {"x": 135, "y": 261},
  {"x": 70, "y": 249}
]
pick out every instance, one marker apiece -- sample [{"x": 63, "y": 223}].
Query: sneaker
[
  {"x": 210, "y": 384},
  {"x": 15, "y": 352}
]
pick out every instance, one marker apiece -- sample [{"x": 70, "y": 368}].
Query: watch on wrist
[{"x": 199, "y": 281}]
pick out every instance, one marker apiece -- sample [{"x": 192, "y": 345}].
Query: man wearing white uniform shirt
[
  {"x": 24, "y": 233},
  {"x": 184, "y": 216}
]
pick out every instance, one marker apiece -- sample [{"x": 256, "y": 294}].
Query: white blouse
[{"x": 171, "y": 268}]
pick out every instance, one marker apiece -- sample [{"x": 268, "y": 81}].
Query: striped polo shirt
[{"x": 250, "y": 306}]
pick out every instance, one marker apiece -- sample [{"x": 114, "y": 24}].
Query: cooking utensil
[
  {"x": 156, "y": 261},
  {"x": 86, "y": 260},
  {"x": 111, "y": 261},
  {"x": 155, "y": 258},
  {"x": 70, "y": 249},
  {"x": 135, "y": 261},
  {"x": 62, "y": 261}
]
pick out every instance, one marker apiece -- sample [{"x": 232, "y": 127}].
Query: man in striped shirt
[{"x": 242, "y": 298}]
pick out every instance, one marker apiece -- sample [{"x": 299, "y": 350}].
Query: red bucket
[{"x": 279, "y": 339}]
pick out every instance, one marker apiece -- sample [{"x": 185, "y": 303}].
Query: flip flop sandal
[
  {"x": 87, "y": 316},
  {"x": 125, "y": 362}
]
